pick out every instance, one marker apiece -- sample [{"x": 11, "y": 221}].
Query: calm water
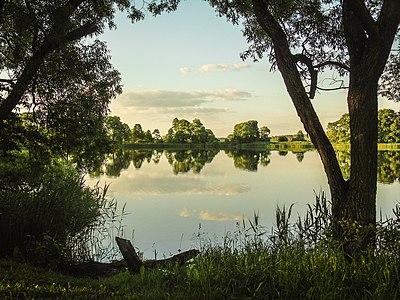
[{"x": 169, "y": 195}]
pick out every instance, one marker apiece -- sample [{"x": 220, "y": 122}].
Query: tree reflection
[
  {"x": 185, "y": 160},
  {"x": 249, "y": 159},
  {"x": 139, "y": 156},
  {"x": 114, "y": 164},
  {"x": 299, "y": 155},
  {"x": 388, "y": 165}
]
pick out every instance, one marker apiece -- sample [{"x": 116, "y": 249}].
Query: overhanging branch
[
  {"x": 313, "y": 73},
  {"x": 333, "y": 63}
]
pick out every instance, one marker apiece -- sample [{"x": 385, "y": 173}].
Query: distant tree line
[
  {"x": 184, "y": 132},
  {"x": 388, "y": 128}
]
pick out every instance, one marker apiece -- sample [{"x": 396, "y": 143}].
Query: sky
[{"x": 187, "y": 64}]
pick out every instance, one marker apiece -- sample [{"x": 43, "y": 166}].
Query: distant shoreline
[{"x": 294, "y": 145}]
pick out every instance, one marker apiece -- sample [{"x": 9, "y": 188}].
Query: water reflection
[
  {"x": 167, "y": 198},
  {"x": 388, "y": 165},
  {"x": 183, "y": 161},
  {"x": 249, "y": 159}
]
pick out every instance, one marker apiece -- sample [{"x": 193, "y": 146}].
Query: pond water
[{"x": 172, "y": 196}]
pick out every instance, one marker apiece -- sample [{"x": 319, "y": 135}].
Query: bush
[{"x": 42, "y": 212}]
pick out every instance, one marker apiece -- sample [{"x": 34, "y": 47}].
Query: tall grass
[
  {"x": 52, "y": 217},
  {"x": 297, "y": 259}
]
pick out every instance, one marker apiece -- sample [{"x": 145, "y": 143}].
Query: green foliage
[
  {"x": 185, "y": 160},
  {"x": 390, "y": 80},
  {"x": 283, "y": 138},
  {"x": 299, "y": 136},
  {"x": 246, "y": 132},
  {"x": 339, "y": 131},
  {"x": 184, "y": 132},
  {"x": 388, "y": 128},
  {"x": 120, "y": 132},
  {"x": 388, "y": 165},
  {"x": 44, "y": 209},
  {"x": 264, "y": 134},
  {"x": 249, "y": 159}
]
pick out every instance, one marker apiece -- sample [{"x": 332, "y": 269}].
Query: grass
[
  {"x": 298, "y": 260},
  {"x": 221, "y": 274}
]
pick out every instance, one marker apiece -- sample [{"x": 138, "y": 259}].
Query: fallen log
[
  {"x": 94, "y": 269},
  {"x": 134, "y": 263}
]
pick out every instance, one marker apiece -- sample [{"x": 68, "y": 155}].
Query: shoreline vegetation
[
  {"x": 294, "y": 145},
  {"x": 296, "y": 260}
]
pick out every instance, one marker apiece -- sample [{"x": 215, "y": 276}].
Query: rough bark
[{"x": 369, "y": 42}]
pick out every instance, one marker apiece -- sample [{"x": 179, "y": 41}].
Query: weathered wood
[
  {"x": 132, "y": 260},
  {"x": 95, "y": 269},
  {"x": 180, "y": 259},
  {"x": 134, "y": 263}
]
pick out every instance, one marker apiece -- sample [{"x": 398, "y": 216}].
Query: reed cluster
[{"x": 297, "y": 259}]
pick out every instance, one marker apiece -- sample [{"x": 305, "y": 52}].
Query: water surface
[{"x": 172, "y": 196}]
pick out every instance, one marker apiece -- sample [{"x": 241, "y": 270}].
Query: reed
[{"x": 297, "y": 259}]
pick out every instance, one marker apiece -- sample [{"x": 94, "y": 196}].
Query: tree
[
  {"x": 138, "y": 135},
  {"x": 339, "y": 131},
  {"x": 388, "y": 128},
  {"x": 303, "y": 38},
  {"x": 299, "y": 136},
  {"x": 246, "y": 132},
  {"x": 39, "y": 37},
  {"x": 182, "y": 131},
  {"x": 264, "y": 133},
  {"x": 157, "y": 136},
  {"x": 120, "y": 132}
]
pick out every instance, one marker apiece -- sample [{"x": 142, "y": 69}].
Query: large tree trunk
[
  {"x": 369, "y": 42},
  {"x": 354, "y": 215}
]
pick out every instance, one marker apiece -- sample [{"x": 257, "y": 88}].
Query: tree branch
[
  {"x": 10, "y": 81},
  {"x": 313, "y": 73},
  {"x": 294, "y": 85},
  {"x": 333, "y": 63},
  {"x": 360, "y": 10},
  {"x": 85, "y": 30},
  {"x": 388, "y": 21}
]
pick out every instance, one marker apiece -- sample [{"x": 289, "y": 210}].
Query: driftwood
[
  {"x": 95, "y": 269},
  {"x": 134, "y": 263},
  {"x": 131, "y": 261}
]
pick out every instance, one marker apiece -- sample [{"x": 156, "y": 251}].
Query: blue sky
[{"x": 187, "y": 64}]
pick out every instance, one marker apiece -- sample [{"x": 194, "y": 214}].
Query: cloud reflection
[
  {"x": 130, "y": 185},
  {"x": 206, "y": 215}
]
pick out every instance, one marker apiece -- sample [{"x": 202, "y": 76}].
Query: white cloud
[
  {"x": 175, "y": 99},
  {"x": 185, "y": 70},
  {"x": 222, "y": 67}
]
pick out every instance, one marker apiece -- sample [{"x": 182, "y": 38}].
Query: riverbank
[
  {"x": 297, "y": 260},
  {"x": 258, "y": 146},
  {"x": 220, "y": 273}
]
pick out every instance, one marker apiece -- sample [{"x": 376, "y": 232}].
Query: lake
[{"x": 172, "y": 196}]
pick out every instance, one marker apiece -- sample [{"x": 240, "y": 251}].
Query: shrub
[{"x": 41, "y": 214}]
